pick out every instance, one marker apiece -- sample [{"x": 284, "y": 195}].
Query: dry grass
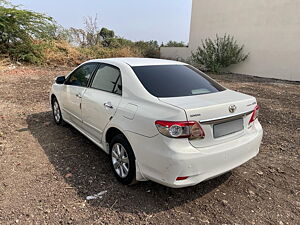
[
  {"x": 4, "y": 63},
  {"x": 62, "y": 53}
]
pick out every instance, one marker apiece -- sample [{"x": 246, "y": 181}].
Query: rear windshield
[{"x": 165, "y": 81}]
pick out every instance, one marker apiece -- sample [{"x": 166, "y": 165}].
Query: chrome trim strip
[{"x": 225, "y": 119}]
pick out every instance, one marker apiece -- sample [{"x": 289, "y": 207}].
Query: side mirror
[{"x": 60, "y": 80}]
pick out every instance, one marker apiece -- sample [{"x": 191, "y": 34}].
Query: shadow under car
[{"x": 86, "y": 168}]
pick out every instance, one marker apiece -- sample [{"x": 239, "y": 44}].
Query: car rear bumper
[{"x": 163, "y": 159}]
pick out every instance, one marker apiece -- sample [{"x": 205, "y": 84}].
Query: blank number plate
[{"x": 226, "y": 128}]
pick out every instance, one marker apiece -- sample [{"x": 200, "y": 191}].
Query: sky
[{"x": 160, "y": 20}]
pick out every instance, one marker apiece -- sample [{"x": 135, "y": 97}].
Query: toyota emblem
[{"x": 232, "y": 108}]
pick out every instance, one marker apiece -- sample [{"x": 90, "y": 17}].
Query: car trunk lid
[{"x": 223, "y": 115}]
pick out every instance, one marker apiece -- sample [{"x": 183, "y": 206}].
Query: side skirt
[{"x": 96, "y": 142}]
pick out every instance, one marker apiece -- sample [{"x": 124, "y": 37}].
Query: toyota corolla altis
[{"x": 158, "y": 120}]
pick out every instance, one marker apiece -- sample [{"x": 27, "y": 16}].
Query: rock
[
  {"x": 251, "y": 192},
  {"x": 46, "y": 124},
  {"x": 224, "y": 202},
  {"x": 260, "y": 172},
  {"x": 95, "y": 196},
  {"x": 68, "y": 175},
  {"x": 280, "y": 170},
  {"x": 271, "y": 170}
]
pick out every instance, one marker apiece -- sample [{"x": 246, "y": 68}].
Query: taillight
[
  {"x": 176, "y": 129},
  {"x": 254, "y": 114},
  {"x": 181, "y": 178}
]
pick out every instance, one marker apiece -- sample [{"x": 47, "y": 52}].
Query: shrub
[
  {"x": 218, "y": 54},
  {"x": 148, "y": 49},
  {"x": 102, "y": 52},
  {"x": 59, "y": 52},
  {"x": 174, "y": 44}
]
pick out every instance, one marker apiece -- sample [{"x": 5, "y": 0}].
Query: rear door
[
  {"x": 74, "y": 88},
  {"x": 101, "y": 100}
]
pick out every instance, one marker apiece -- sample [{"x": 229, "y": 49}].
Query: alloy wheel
[
  {"x": 56, "y": 112},
  {"x": 120, "y": 160}
]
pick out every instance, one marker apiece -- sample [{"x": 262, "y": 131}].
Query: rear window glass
[{"x": 165, "y": 81}]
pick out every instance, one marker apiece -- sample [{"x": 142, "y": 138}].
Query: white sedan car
[{"x": 158, "y": 120}]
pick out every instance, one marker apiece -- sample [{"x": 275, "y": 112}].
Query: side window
[
  {"x": 118, "y": 87},
  {"x": 81, "y": 76},
  {"x": 108, "y": 78}
]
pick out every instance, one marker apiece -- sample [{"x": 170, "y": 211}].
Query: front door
[
  {"x": 101, "y": 100},
  {"x": 74, "y": 88}
]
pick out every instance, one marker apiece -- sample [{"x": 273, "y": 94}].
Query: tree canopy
[{"x": 18, "y": 29}]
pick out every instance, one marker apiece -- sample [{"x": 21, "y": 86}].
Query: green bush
[
  {"x": 215, "y": 55},
  {"x": 149, "y": 49},
  {"x": 174, "y": 44}
]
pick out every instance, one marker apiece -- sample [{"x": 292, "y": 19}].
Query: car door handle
[
  {"x": 108, "y": 105},
  {"x": 78, "y": 95}
]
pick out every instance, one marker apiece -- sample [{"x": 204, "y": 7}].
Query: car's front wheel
[
  {"x": 122, "y": 160},
  {"x": 57, "y": 112}
]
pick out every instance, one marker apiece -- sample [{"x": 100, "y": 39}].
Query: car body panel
[
  {"x": 71, "y": 96},
  {"x": 163, "y": 163},
  {"x": 95, "y": 116},
  {"x": 215, "y": 106},
  {"x": 134, "y": 113}
]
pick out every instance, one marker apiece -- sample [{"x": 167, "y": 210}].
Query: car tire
[
  {"x": 57, "y": 116},
  {"x": 122, "y": 160}
]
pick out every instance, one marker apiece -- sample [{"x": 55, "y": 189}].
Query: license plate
[{"x": 226, "y": 128}]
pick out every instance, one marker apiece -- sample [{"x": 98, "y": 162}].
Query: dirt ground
[{"x": 47, "y": 171}]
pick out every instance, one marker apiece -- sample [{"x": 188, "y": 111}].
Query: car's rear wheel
[
  {"x": 122, "y": 160},
  {"x": 57, "y": 112}
]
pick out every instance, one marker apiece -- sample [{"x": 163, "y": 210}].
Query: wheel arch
[
  {"x": 52, "y": 98},
  {"x": 112, "y": 132}
]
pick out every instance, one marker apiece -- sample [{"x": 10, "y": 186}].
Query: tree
[
  {"x": 106, "y": 33},
  {"x": 148, "y": 48},
  {"x": 220, "y": 53},
  {"x": 87, "y": 37},
  {"x": 107, "y": 36},
  {"x": 92, "y": 31},
  {"x": 19, "y": 28}
]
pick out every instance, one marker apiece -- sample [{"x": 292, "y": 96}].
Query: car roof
[{"x": 139, "y": 61}]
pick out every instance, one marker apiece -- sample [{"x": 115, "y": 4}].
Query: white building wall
[
  {"x": 178, "y": 53},
  {"x": 270, "y": 30}
]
